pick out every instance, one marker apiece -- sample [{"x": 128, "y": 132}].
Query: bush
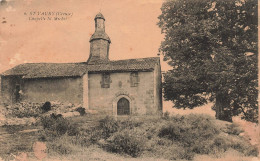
[
  {"x": 166, "y": 115},
  {"x": 222, "y": 143},
  {"x": 198, "y": 134},
  {"x": 107, "y": 126},
  {"x": 234, "y": 129},
  {"x": 127, "y": 142},
  {"x": 13, "y": 128},
  {"x": 81, "y": 110},
  {"x": 73, "y": 130},
  {"x": 60, "y": 148},
  {"x": 82, "y": 139},
  {"x": 46, "y": 106},
  {"x": 55, "y": 116},
  {"x": 189, "y": 130},
  {"x": 129, "y": 124},
  {"x": 58, "y": 126}
]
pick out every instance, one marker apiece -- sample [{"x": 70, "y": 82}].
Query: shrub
[
  {"x": 129, "y": 124},
  {"x": 55, "y": 116},
  {"x": 107, "y": 126},
  {"x": 47, "y": 122},
  {"x": 58, "y": 126},
  {"x": 95, "y": 135},
  {"x": 13, "y": 128},
  {"x": 195, "y": 133},
  {"x": 81, "y": 110},
  {"x": 82, "y": 139},
  {"x": 127, "y": 142},
  {"x": 46, "y": 106},
  {"x": 59, "y": 148},
  {"x": 224, "y": 142},
  {"x": 198, "y": 134},
  {"x": 234, "y": 129},
  {"x": 190, "y": 130},
  {"x": 73, "y": 130},
  {"x": 166, "y": 115}
]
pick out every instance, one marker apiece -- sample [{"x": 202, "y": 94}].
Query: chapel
[{"x": 113, "y": 87}]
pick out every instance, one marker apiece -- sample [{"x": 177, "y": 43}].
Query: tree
[{"x": 212, "y": 48}]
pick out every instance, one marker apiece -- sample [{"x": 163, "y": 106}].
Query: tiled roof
[
  {"x": 126, "y": 65},
  {"x": 46, "y": 70}
]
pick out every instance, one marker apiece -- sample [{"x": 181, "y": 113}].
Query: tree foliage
[{"x": 212, "y": 48}]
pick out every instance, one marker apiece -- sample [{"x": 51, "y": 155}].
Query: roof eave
[
  {"x": 46, "y": 77},
  {"x": 122, "y": 71}
]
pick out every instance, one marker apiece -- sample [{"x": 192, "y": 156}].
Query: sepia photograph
[{"x": 129, "y": 80}]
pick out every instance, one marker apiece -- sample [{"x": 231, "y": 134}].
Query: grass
[
  {"x": 169, "y": 137},
  {"x": 14, "y": 141},
  {"x": 176, "y": 137}
]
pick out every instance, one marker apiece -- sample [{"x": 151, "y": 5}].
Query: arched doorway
[{"x": 123, "y": 107}]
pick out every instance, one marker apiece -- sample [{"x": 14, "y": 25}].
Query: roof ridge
[
  {"x": 136, "y": 58},
  {"x": 86, "y": 62},
  {"x": 52, "y": 63}
]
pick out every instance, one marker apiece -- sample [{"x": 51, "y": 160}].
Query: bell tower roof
[
  {"x": 99, "y": 15},
  {"x": 100, "y": 29}
]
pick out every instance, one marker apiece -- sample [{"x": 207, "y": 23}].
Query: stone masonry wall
[
  {"x": 99, "y": 49},
  {"x": 158, "y": 87},
  {"x": 141, "y": 97},
  {"x": 8, "y": 88},
  {"x": 66, "y": 90}
]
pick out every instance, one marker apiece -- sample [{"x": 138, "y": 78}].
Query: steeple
[
  {"x": 99, "y": 42},
  {"x": 100, "y": 22}
]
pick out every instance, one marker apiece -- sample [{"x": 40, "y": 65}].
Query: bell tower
[{"x": 99, "y": 42}]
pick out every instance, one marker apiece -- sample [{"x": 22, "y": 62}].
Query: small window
[
  {"x": 105, "y": 83},
  {"x": 134, "y": 79}
]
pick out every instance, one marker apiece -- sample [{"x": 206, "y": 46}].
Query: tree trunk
[{"x": 223, "y": 111}]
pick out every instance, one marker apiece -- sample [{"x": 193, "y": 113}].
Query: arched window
[{"x": 123, "y": 107}]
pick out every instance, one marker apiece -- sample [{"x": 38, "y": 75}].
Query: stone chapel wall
[
  {"x": 65, "y": 89},
  {"x": 141, "y": 97}
]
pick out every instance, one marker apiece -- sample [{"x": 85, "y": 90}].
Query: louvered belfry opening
[{"x": 123, "y": 107}]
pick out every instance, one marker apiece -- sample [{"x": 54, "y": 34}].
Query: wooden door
[{"x": 123, "y": 107}]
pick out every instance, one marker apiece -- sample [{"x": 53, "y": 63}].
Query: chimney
[{"x": 99, "y": 42}]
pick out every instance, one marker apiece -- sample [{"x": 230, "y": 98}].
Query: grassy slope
[
  {"x": 65, "y": 147},
  {"x": 182, "y": 138}
]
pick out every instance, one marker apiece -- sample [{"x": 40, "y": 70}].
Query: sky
[{"x": 130, "y": 24}]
